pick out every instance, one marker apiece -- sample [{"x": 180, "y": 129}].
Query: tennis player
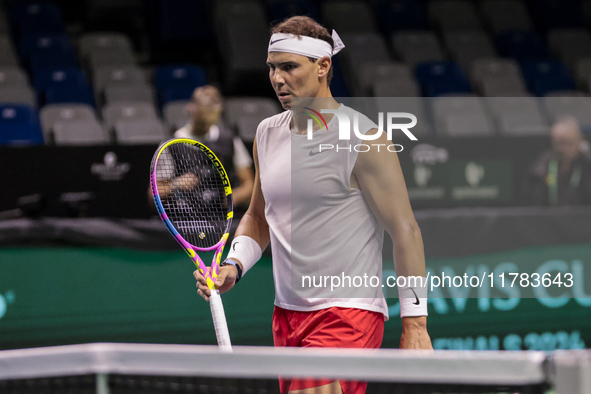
[{"x": 337, "y": 204}]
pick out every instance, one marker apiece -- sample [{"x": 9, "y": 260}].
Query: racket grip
[{"x": 219, "y": 321}]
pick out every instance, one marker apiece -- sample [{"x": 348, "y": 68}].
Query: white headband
[{"x": 304, "y": 45}]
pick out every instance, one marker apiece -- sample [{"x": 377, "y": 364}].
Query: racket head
[{"x": 193, "y": 196}]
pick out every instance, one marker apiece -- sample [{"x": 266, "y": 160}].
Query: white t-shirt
[
  {"x": 319, "y": 225},
  {"x": 241, "y": 157}
]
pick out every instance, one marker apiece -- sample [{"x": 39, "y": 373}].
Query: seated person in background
[
  {"x": 562, "y": 175},
  {"x": 205, "y": 111}
]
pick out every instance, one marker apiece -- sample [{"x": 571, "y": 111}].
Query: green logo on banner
[
  {"x": 480, "y": 180},
  {"x": 5, "y": 300}
]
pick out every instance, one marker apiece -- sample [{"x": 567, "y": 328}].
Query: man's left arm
[{"x": 381, "y": 180}]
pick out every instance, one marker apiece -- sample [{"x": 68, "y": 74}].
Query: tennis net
[{"x": 107, "y": 368}]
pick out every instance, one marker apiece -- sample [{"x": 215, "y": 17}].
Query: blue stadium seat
[
  {"x": 16, "y": 133},
  {"x": 41, "y": 61},
  {"x": 19, "y": 124},
  {"x": 521, "y": 45},
  {"x": 177, "y": 81},
  {"x": 439, "y": 78},
  {"x": 66, "y": 76},
  {"x": 36, "y": 17},
  {"x": 59, "y": 94},
  {"x": 436, "y": 88},
  {"x": 282, "y": 9},
  {"x": 179, "y": 74},
  {"x": 396, "y": 15},
  {"x": 34, "y": 9},
  {"x": 175, "y": 93},
  {"x": 549, "y": 14},
  {"x": 18, "y": 113},
  {"x": 548, "y": 76},
  {"x": 180, "y": 20},
  {"x": 44, "y": 43},
  {"x": 40, "y": 25}
]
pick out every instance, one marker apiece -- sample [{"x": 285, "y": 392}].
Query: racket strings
[{"x": 196, "y": 204}]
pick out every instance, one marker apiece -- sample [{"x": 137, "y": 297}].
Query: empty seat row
[
  {"x": 491, "y": 77},
  {"x": 445, "y": 15},
  {"x": 387, "y": 15},
  {"x": 476, "y": 116},
  {"x": 108, "y": 58},
  {"x": 77, "y": 124},
  {"x": 47, "y": 49},
  {"x": 59, "y": 85},
  {"x": 461, "y": 116},
  {"x": 465, "y": 48},
  {"x": 106, "y": 50},
  {"x": 122, "y": 122},
  {"x": 241, "y": 29},
  {"x": 136, "y": 122},
  {"x": 110, "y": 83},
  {"x": 236, "y": 20}
]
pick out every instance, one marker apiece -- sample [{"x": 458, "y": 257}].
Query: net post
[{"x": 102, "y": 383}]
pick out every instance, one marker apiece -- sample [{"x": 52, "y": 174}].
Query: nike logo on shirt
[
  {"x": 312, "y": 153},
  {"x": 417, "y": 298}
]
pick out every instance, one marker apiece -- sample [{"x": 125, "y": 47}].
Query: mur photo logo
[{"x": 345, "y": 125}]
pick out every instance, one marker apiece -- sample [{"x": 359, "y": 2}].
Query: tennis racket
[{"x": 193, "y": 197}]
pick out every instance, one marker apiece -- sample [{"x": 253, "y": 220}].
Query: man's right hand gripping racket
[{"x": 193, "y": 197}]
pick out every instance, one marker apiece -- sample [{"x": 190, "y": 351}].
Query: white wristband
[
  {"x": 246, "y": 250},
  {"x": 413, "y": 299}
]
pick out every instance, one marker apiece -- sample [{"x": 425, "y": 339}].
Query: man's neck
[{"x": 323, "y": 101}]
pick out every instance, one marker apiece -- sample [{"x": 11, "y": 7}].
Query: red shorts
[{"x": 331, "y": 327}]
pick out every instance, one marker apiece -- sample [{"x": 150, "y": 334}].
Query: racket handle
[{"x": 219, "y": 321}]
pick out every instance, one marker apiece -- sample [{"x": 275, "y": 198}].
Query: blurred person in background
[
  {"x": 205, "y": 125},
  {"x": 562, "y": 175},
  {"x": 205, "y": 111}
]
